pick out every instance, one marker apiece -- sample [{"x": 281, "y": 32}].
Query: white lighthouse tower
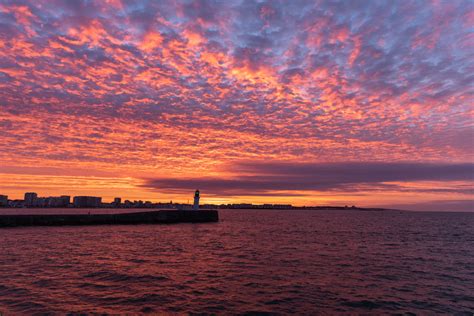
[{"x": 196, "y": 201}]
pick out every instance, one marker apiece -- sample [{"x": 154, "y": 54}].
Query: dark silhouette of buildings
[
  {"x": 87, "y": 201},
  {"x": 3, "y": 200},
  {"x": 30, "y": 199}
]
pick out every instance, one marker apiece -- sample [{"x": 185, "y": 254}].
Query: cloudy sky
[{"x": 305, "y": 102}]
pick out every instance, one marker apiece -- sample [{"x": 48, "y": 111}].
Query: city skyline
[
  {"x": 297, "y": 102},
  {"x": 34, "y": 200}
]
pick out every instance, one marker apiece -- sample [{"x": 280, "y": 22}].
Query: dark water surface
[{"x": 284, "y": 262}]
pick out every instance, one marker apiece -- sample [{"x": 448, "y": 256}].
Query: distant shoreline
[{"x": 294, "y": 208}]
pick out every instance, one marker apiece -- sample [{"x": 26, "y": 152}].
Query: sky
[{"x": 366, "y": 103}]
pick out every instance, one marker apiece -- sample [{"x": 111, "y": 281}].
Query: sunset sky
[{"x": 304, "y": 102}]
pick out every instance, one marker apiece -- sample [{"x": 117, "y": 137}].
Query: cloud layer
[{"x": 262, "y": 178}]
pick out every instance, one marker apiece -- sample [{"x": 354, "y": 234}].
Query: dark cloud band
[{"x": 259, "y": 178}]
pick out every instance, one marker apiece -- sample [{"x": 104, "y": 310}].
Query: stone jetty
[{"x": 150, "y": 217}]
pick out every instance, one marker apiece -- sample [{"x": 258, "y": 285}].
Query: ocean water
[{"x": 252, "y": 261}]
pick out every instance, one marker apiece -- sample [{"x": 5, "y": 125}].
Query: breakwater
[{"x": 151, "y": 217}]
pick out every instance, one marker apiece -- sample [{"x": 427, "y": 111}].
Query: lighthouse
[{"x": 196, "y": 201}]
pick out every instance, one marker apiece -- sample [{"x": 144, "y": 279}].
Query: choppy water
[{"x": 283, "y": 262}]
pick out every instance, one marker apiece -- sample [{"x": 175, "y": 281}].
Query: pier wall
[{"x": 152, "y": 217}]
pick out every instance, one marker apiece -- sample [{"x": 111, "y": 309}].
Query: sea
[{"x": 252, "y": 262}]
